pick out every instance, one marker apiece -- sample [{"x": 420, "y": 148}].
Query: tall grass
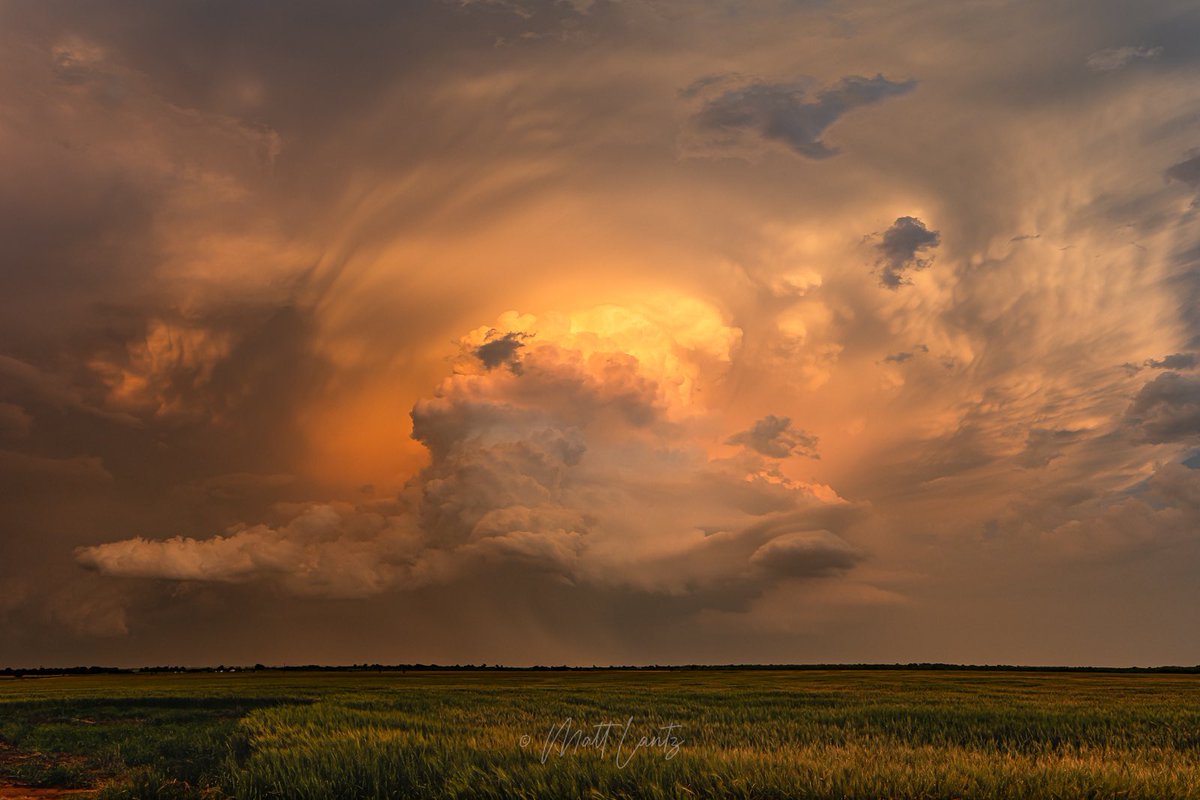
[{"x": 739, "y": 734}]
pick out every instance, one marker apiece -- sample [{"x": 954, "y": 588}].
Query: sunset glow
[{"x": 527, "y": 332}]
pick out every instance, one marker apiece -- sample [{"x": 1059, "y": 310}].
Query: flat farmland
[{"x": 602, "y": 734}]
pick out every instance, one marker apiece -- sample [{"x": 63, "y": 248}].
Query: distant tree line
[{"x": 20, "y": 672}]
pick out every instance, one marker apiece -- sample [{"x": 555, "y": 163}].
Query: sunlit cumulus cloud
[{"x": 571, "y": 445}]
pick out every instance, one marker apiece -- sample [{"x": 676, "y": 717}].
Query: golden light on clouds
[{"x": 590, "y": 333}]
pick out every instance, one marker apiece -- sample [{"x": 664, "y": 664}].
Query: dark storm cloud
[
  {"x": 806, "y": 554},
  {"x": 781, "y": 112},
  {"x": 75, "y": 233},
  {"x": 545, "y": 472},
  {"x": 304, "y": 59},
  {"x": 41, "y": 473},
  {"x": 502, "y": 351},
  {"x": 905, "y": 355},
  {"x": 305, "y": 71},
  {"x": 147, "y": 426},
  {"x": 1167, "y": 409},
  {"x": 901, "y": 249},
  {"x": 1186, "y": 172},
  {"x": 37, "y": 388},
  {"x": 97, "y": 165},
  {"x": 234, "y": 110},
  {"x": 1173, "y": 361},
  {"x": 1043, "y": 445},
  {"x": 125, "y": 210},
  {"x": 775, "y": 437}
]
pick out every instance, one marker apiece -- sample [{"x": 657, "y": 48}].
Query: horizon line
[{"x": 11, "y": 671}]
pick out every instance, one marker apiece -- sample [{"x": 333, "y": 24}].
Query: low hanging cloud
[
  {"x": 1173, "y": 361},
  {"x": 775, "y": 437},
  {"x": 586, "y": 464},
  {"x": 901, "y": 250},
  {"x": 1167, "y": 409},
  {"x": 783, "y": 112},
  {"x": 1114, "y": 58}
]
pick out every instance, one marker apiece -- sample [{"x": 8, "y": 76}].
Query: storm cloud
[
  {"x": 775, "y": 437},
  {"x": 1173, "y": 361},
  {"x": 241, "y": 250},
  {"x": 501, "y": 350},
  {"x": 1167, "y": 409},
  {"x": 551, "y": 469},
  {"x": 782, "y": 112},
  {"x": 901, "y": 248},
  {"x": 1186, "y": 172}
]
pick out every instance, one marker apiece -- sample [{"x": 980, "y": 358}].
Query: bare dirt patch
[{"x": 17, "y": 766}]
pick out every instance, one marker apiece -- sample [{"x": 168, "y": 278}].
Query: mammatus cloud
[
  {"x": 1167, "y": 409},
  {"x": 775, "y": 437},
  {"x": 783, "y": 112},
  {"x": 901, "y": 249},
  {"x": 1116, "y": 57},
  {"x": 584, "y": 464}
]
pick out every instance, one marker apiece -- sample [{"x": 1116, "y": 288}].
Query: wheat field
[{"x": 606, "y": 734}]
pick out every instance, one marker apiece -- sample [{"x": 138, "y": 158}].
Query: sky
[{"x": 608, "y": 332}]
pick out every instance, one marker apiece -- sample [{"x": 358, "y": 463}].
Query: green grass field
[{"x": 686, "y": 734}]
